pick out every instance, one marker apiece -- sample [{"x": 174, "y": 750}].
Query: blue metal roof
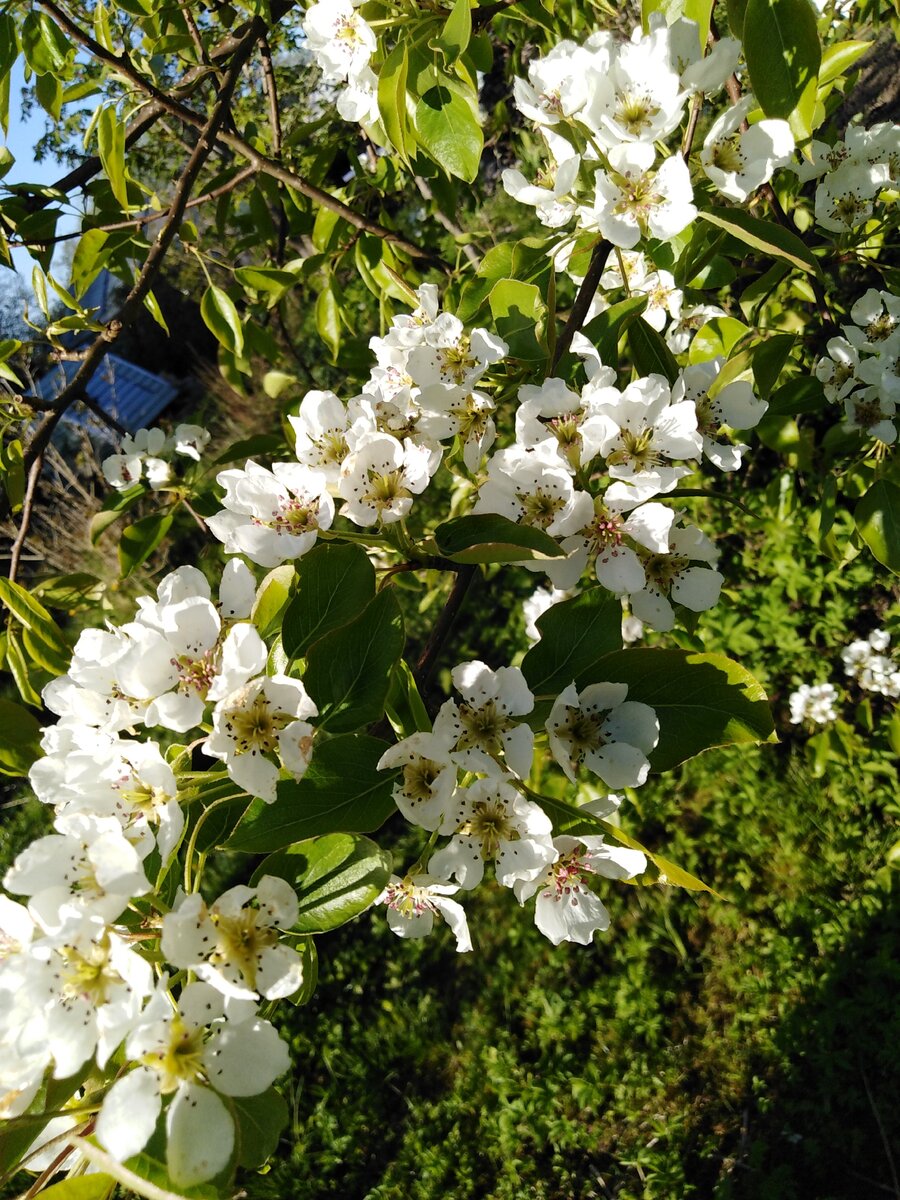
[{"x": 133, "y": 396}]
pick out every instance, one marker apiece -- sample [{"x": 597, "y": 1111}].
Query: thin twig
[
  {"x": 688, "y": 142},
  {"x": 27, "y": 505},
  {"x": 133, "y": 302},
  {"x": 443, "y": 625},
  {"x": 148, "y": 218},
  {"x": 123, "y": 65},
  {"x": 586, "y": 292},
  {"x": 271, "y": 88}
]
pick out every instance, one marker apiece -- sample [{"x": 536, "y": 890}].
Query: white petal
[
  {"x": 200, "y": 1135},
  {"x": 245, "y": 1059},
  {"x": 129, "y": 1113}
]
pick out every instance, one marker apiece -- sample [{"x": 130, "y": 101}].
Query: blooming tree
[{"x": 555, "y": 402}]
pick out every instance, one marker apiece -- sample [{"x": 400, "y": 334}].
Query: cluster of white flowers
[
  {"x": 488, "y": 816},
  {"x": 862, "y": 369},
  {"x": 343, "y": 44},
  {"x": 605, "y": 107},
  {"x": 147, "y": 455},
  {"x": 641, "y": 440},
  {"x": 814, "y": 703},
  {"x": 374, "y": 453},
  {"x": 868, "y": 662},
  {"x": 852, "y": 175}
]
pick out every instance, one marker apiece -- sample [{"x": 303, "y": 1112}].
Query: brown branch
[
  {"x": 443, "y": 625},
  {"x": 27, "y": 505},
  {"x": 147, "y": 218},
  {"x": 133, "y": 302},
  {"x": 586, "y": 292},
  {"x": 124, "y": 66},
  {"x": 151, "y": 112},
  {"x": 271, "y": 89}
]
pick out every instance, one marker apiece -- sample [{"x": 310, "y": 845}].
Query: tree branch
[
  {"x": 586, "y": 292},
  {"x": 443, "y": 625},
  {"x": 271, "y": 88},
  {"x": 122, "y": 64},
  {"x": 27, "y": 506}
]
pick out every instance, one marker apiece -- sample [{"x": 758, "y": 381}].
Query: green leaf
[
  {"x": 802, "y": 395},
  {"x": 489, "y": 538},
  {"x": 569, "y": 819},
  {"x": 15, "y": 660},
  {"x": 392, "y": 98},
  {"x": 575, "y": 636},
  {"x": 404, "y": 706},
  {"x": 736, "y": 10},
  {"x": 84, "y": 1187},
  {"x": 519, "y": 311},
  {"x": 348, "y": 671},
  {"x": 88, "y": 260},
  {"x": 44, "y": 44},
  {"x": 260, "y": 1120},
  {"x": 336, "y": 877},
  {"x": 650, "y": 353},
  {"x": 783, "y": 54},
  {"x": 877, "y": 518},
  {"x": 766, "y": 236},
  {"x": 12, "y": 472},
  {"x": 34, "y": 617},
  {"x": 715, "y": 339},
  {"x": 694, "y": 10},
  {"x": 20, "y": 739},
  {"x": 702, "y": 700},
  {"x": 251, "y": 447},
  {"x": 49, "y": 93},
  {"x": 111, "y": 147},
  {"x": 222, "y": 319},
  {"x": 271, "y": 600},
  {"x": 328, "y": 320},
  {"x": 140, "y": 540},
  {"x": 839, "y": 58},
  {"x": 271, "y": 280},
  {"x": 115, "y": 505},
  {"x": 341, "y": 792},
  {"x": 606, "y": 329},
  {"x": 448, "y": 131},
  {"x": 768, "y": 361},
  {"x": 454, "y": 37},
  {"x": 334, "y": 585}
]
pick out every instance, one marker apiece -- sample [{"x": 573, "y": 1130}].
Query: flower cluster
[
  {"x": 868, "y": 662},
  {"x": 813, "y": 703},
  {"x": 487, "y": 814},
  {"x": 852, "y": 175},
  {"x": 375, "y": 453},
  {"x": 862, "y": 369},
  {"x": 605, "y": 107},
  {"x": 343, "y": 43},
  {"x": 148, "y": 455}
]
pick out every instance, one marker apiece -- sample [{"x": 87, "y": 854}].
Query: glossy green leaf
[
  {"x": 12, "y": 472},
  {"x": 33, "y": 616},
  {"x": 487, "y": 538},
  {"x": 328, "y": 320},
  {"x": 341, "y": 792},
  {"x": 44, "y": 44},
  {"x": 783, "y": 54},
  {"x": 392, "y": 98},
  {"x": 569, "y": 819},
  {"x": 838, "y": 59},
  {"x": 88, "y": 260},
  {"x": 650, "y": 353},
  {"x": 802, "y": 395},
  {"x": 702, "y": 700},
  {"x": 20, "y": 739},
  {"x": 448, "y": 130},
  {"x": 607, "y": 328},
  {"x": 139, "y": 540},
  {"x": 877, "y": 518},
  {"x": 334, "y": 585},
  {"x": 222, "y": 319},
  {"x": 271, "y": 599},
  {"x": 49, "y": 93},
  {"x": 576, "y": 635},
  {"x": 111, "y": 148},
  {"x": 18, "y": 666},
  {"x": 771, "y": 239},
  {"x": 260, "y": 1121},
  {"x": 272, "y": 281},
  {"x": 454, "y": 37},
  {"x": 519, "y": 312},
  {"x": 336, "y": 877},
  {"x": 769, "y": 359},
  {"x": 82, "y": 1187},
  {"x": 405, "y": 708},
  {"x": 348, "y": 671},
  {"x": 715, "y": 339}
]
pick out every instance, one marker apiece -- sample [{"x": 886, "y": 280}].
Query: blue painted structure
[{"x": 133, "y": 396}]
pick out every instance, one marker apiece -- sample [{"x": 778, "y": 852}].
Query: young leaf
[
  {"x": 771, "y": 239},
  {"x": 20, "y": 738},
  {"x": 783, "y": 53},
  {"x": 336, "y": 877},
  {"x": 222, "y": 319},
  {"x": 341, "y": 792},
  {"x": 140, "y": 540},
  {"x": 259, "y": 1120},
  {"x": 392, "y": 98},
  {"x": 328, "y": 320},
  {"x": 519, "y": 312},
  {"x": 111, "y": 147},
  {"x": 877, "y": 518},
  {"x": 454, "y": 37},
  {"x": 334, "y": 585},
  {"x": 575, "y": 636},
  {"x": 448, "y": 131},
  {"x": 348, "y": 671},
  {"x": 650, "y": 353}
]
